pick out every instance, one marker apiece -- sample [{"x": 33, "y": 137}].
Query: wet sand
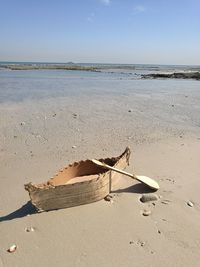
[{"x": 38, "y": 137}]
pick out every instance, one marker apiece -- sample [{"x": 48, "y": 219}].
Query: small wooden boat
[{"x": 79, "y": 183}]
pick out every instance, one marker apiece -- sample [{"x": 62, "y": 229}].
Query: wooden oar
[{"x": 144, "y": 179}]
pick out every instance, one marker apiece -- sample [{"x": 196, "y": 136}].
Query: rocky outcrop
[{"x": 175, "y": 75}]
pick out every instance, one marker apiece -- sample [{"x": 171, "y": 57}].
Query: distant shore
[{"x": 48, "y": 67}]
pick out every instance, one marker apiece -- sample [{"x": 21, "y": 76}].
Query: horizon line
[{"x": 105, "y": 63}]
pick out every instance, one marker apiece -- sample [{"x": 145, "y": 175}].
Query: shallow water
[{"x": 18, "y": 86}]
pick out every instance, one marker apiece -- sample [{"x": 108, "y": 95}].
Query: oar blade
[{"x": 148, "y": 181}]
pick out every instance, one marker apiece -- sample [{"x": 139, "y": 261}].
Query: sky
[{"x": 101, "y": 31}]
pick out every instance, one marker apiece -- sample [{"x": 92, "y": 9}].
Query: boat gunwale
[{"x": 30, "y": 187}]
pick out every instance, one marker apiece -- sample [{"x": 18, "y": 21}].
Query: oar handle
[{"x": 119, "y": 171}]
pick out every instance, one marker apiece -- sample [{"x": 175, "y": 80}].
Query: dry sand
[{"x": 39, "y": 137}]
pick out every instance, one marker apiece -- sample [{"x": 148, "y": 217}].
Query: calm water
[{"x": 37, "y": 84}]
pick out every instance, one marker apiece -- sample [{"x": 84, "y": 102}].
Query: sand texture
[{"x": 162, "y": 129}]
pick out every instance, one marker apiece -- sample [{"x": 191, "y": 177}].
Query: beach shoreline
[{"x": 159, "y": 123}]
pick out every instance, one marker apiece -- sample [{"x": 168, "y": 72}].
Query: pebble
[
  {"x": 146, "y": 213},
  {"x": 130, "y": 110},
  {"x": 22, "y": 123},
  {"x": 54, "y": 115},
  {"x": 74, "y": 147},
  {"x": 139, "y": 243},
  {"x": 108, "y": 198},
  {"x": 165, "y": 201},
  {"x": 74, "y": 115},
  {"x": 170, "y": 180},
  {"x": 142, "y": 244},
  {"x": 12, "y": 248},
  {"x": 149, "y": 197},
  {"x": 29, "y": 229},
  {"x": 190, "y": 204}
]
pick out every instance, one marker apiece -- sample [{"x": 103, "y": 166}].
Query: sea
[{"x": 20, "y": 85}]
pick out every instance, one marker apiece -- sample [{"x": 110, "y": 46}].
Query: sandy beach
[{"x": 38, "y": 136}]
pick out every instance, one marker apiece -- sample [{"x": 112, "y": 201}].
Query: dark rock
[
  {"x": 74, "y": 115},
  {"x": 146, "y": 213},
  {"x": 190, "y": 204},
  {"x": 108, "y": 198},
  {"x": 175, "y": 75},
  {"x": 29, "y": 229},
  {"x": 149, "y": 197}
]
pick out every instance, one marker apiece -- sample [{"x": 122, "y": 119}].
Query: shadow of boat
[
  {"x": 25, "y": 210},
  {"x": 136, "y": 188}
]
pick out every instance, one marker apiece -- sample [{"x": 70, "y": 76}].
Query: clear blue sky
[{"x": 113, "y": 31}]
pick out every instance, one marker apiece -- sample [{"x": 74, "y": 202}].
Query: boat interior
[{"x": 80, "y": 172}]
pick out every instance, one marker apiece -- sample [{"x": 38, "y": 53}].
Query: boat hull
[{"x": 52, "y": 196}]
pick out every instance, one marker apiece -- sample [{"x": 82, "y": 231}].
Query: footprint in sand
[
  {"x": 142, "y": 244},
  {"x": 170, "y": 180}
]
